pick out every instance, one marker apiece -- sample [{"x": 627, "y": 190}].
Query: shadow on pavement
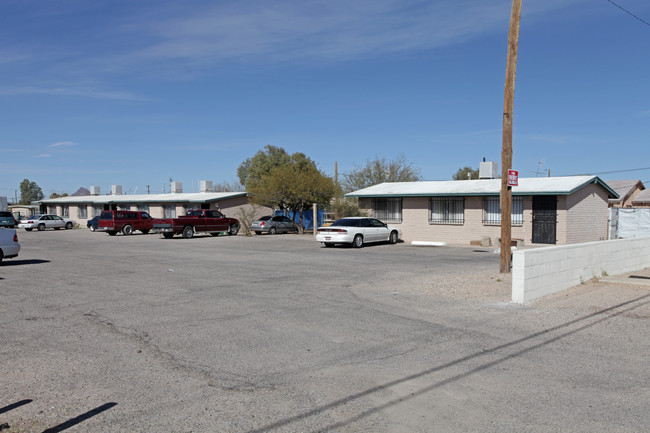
[
  {"x": 598, "y": 316},
  {"x": 79, "y": 419},
  {"x": 24, "y": 262},
  {"x": 14, "y": 405}
]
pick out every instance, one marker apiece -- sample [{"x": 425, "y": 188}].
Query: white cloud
[
  {"x": 44, "y": 155},
  {"x": 325, "y": 30},
  {"x": 67, "y": 91},
  {"x": 63, "y": 144}
]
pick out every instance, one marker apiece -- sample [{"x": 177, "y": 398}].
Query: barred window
[
  {"x": 389, "y": 210},
  {"x": 143, "y": 208},
  {"x": 83, "y": 211},
  {"x": 447, "y": 210},
  {"x": 97, "y": 210},
  {"x": 492, "y": 211},
  {"x": 65, "y": 210},
  {"x": 169, "y": 211}
]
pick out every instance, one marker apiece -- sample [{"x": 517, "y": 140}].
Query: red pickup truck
[{"x": 196, "y": 221}]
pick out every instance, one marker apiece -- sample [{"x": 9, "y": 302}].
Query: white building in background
[{"x": 169, "y": 205}]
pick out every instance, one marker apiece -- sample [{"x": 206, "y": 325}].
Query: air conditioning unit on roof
[
  {"x": 205, "y": 186},
  {"x": 488, "y": 170},
  {"x": 176, "y": 188}
]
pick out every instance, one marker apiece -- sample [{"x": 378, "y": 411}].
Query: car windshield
[
  {"x": 265, "y": 218},
  {"x": 6, "y": 215},
  {"x": 194, "y": 213},
  {"x": 348, "y": 222}
]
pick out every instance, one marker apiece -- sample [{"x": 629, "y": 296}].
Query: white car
[
  {"x": 42, "y": 222},
  {"x": 357, "y": 231},
  {"x": 9, "y": 246}
]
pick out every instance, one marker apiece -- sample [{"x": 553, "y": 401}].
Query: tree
[
  {"x": 346, "y": 207},
  {"x": 57, "y": 195},
  {"x": 29, "y": 192},
  {"x": 228, "y": 187},
  {"x": 378, "y": 171},
  {"x": 294, "y": 186},
  {"x": 465, "y": 173},
  {"x": 253, "y": 169}
]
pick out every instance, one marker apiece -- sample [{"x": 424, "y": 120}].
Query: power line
[
  {"x": 630, "y": 13},
  {"x": 623, "y": 171}
]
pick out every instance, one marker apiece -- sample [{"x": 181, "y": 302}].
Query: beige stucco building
[
  {"x": 631, "y": 193},
  {"x": 553, "y": 210}
]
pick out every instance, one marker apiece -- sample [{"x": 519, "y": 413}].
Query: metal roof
[
  {"x": 196, "y": 197},
  {"x": 527, "y": 186}
]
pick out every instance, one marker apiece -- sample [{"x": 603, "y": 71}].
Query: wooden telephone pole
[{"x": 506, "y": 152}]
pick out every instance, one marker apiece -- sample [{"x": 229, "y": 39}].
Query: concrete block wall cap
[
  {"x": 512, "y": 250},
  {"x": 428, "y": 244}
]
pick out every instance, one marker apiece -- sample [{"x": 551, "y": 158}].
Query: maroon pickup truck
[{"x": 196, "y": 221}]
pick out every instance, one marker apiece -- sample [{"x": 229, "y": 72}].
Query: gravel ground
[{"x": 275, "y": 333}]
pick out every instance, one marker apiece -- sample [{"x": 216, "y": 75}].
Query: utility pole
[
  {"x": 336, "y": 184},
  {"x": 506, "y": 152}
]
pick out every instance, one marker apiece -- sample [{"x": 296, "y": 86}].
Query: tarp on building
[
  {"x": 629, "y": 223},
  {"x": 307, "y": 218}
]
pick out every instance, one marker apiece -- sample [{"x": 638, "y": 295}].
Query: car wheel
[
  {"x": 393, "y": 237},
  {"x": 258, "y": 232},
  {"x": 329, "y": 244},
  {"x": 188, "y": 232},
  {"x": 41, "y": 227},
  {"x": 234, "y": 229},
  {"x": 92, "y": 228},
  {"x": 358, "y": 241},
  {"x": 111, "y": 232},
  {"x": 68, "y": 225},
  {"x": 273, "y": 231},
  {"x": 127, "y": 229},
  {"x": 28, "y": 230},
  {"x": 168, "y": 235},
  {"x": 145, "y": 231}
]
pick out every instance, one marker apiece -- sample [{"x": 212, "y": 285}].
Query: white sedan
[
  {"x": 42, "y": 222},
  {"x": 357, "y": 231},
  {"x": 9, "y": 246}
]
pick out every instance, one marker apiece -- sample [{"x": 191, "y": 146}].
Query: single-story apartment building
[
  {"x": 168, "y": 205},
  {"x": 548, "y": 210}
]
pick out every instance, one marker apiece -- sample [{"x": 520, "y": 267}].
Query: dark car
[
  {"x": 125, "y": 221},
  {"x": 273, "y": 224},
  {"x": 7, "y": 220},
  {"x": 93, "y": 223}
]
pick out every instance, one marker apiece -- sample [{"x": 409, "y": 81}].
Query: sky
[{"x": 135, "y": 93}]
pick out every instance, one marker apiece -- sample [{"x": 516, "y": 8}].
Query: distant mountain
[{"x": 81, "y": 192}]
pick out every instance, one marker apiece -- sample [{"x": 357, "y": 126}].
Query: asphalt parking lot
[{"x": 276, "y": 333}]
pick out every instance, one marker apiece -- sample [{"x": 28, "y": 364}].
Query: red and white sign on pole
[{"x": 513, "y": 178}]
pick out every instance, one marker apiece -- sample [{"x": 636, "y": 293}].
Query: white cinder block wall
[{"x": 543, "y": 271}]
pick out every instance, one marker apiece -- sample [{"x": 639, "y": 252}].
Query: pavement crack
[{"x": 221, "y": 379}]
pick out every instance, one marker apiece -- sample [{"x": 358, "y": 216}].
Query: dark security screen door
[{"x": 544, "y": 219}]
